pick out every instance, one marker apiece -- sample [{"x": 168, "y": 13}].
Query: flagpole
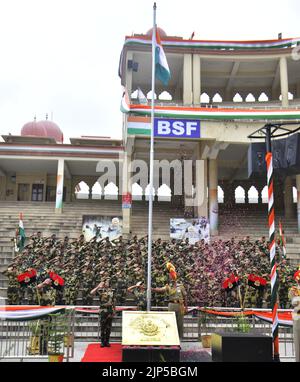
[{"x": 151, "y": 166}]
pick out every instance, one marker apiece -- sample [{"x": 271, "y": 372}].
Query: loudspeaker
[
  {"x": 292, "y": 153},
  {"x": 132, "y": 65},
  {"x": 241, "y": 347},
  {"x": 278, "y": 151},
  {"x": 151, "y": 354},
  {"x": 256, "y": 160}
]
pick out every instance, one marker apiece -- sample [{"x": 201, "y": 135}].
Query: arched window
[
  {"x": 137, "y": 192},
  {"x": 290, "y": 96},
  {"x": 220, "y": 195},
  {"x": 239, "y": 194},
  {"x": 164, "y": 193},
  {"x": 250, "y": 98},
  {"x": 263, "y": 97},
  {"x": 149, "y": 95},
  {"x": 82, "y": 190},
  {"x": 217, "y": 98},
  {"x": 111, "y": 191},
  {"x": 147, "y": 192},
  {"x": 253, "y": 195},
  {"x": 96, "y": 191},
  {"x": 165, "y": 96},
  {"x": 264, "y": 195},
  {"x": 237, "y": 98},
  {"x": 134, "y": 95},
  {"x": 204, "y": 98},
  {"x": 295, "y": 195}
]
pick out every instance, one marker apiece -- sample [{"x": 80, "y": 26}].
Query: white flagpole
[{"x": 151, "y": 166}]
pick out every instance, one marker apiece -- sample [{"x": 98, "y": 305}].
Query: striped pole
[{"x": 274, "y": 279}]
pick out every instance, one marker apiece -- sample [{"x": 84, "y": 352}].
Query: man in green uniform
[
  {"x": 106, "y": 309},
  {"x": 14, "y": 288},
  {"x": 139, "y": 292}
]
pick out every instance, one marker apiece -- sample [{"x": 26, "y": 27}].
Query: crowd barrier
[{"x": 24, "y": 338}]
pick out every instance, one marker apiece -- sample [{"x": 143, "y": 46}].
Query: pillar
[
  {"x": 196, "y": 79},
  {"x": 59, "y": 186},
  {"x": 288, "y": 197},
  {"x": 201, "y": 202},
  {"x": 284, "y": 82},
  {"x": 298, "y": 200},
  {"x": 187, "y": 79},
  {"x": 126, "y": 189},
  {"x": 213, "y": 196}
]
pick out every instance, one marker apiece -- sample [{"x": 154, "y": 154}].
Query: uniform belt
[{"x": 176, "y": 301}]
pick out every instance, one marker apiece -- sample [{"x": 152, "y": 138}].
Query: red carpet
[{"x": 94, "y": 353}]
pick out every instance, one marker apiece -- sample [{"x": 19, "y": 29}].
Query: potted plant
[
  {"x": 56, "y": 336},
  {"x": 34, "y": 344},
  {"x": 204, "y": 338}
]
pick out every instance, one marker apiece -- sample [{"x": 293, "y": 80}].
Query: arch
[
  {"x": 252, "y": 195},
  {"x": 250, "y": 98},
  {"x": 96, "y": 191},
  {"x": 149, "y": 95},
  {"x": 111, "y": 191},
  {"x": 134, "y": 94},
  {"x": 295, "y": 194},
  {"x": 137, "y": 191},
  {"x": 82, "y": 190},
  {"x": 164, "y": 193},
  {"x": 165, "y": 96},
  {"x": 204, "y": 98},
  {"x": 147, "y": 192},
  {"x": 220, "y": 195},
  {"x": 290, "y": 96},
  {"x": 237, "y": 98},
  {"x": 264, "y": 195},
  {"x": 263, "y": 97},
  {"x": 239, "y": 195},
  {"x": 217, "y": 98}
]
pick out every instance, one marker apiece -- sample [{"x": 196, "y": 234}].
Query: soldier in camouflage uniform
[
  {"x": 14, "y": 289},
  {"x": 47, "y": 293},
  {"x": 106, "y": 309},
  {"x": 140, "y": 294}
]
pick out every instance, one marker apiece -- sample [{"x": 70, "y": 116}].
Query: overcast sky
[{"x": 61, "y": 56}]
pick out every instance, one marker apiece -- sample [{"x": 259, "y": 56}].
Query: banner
[
  {"x": 192, "y": 229},
  {"x": 101, "y": 227}
]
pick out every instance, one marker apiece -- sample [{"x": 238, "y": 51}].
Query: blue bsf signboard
[{"x": 176, "y": 128}]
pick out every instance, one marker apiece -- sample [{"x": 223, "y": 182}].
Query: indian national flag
[
  {"x": 162, "y": 71},
  {"x": 21, "y": 237}
]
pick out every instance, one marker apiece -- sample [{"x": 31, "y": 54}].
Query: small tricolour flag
[
  {"x": 21, "y": 237},
  {"x": 162, "y": 71}
]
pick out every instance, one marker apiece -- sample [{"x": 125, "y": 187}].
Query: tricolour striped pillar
[{"x": 274, "y": 279}]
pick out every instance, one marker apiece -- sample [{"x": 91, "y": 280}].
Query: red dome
[
  {"x": 43, "y": 129},
  {"x": 161, "y": 32}
]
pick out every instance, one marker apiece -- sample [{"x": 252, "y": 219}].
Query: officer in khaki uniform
[
  {"x": 177, "y": 301},
  {"x": 106, "y": 309}
]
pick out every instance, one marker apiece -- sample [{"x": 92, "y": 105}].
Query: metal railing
[
  {"x": 209, "y": 324},
  {"x": 31, "y": 339}
]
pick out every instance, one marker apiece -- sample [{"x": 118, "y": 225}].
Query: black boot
[{"x": 102, "y": 345}]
